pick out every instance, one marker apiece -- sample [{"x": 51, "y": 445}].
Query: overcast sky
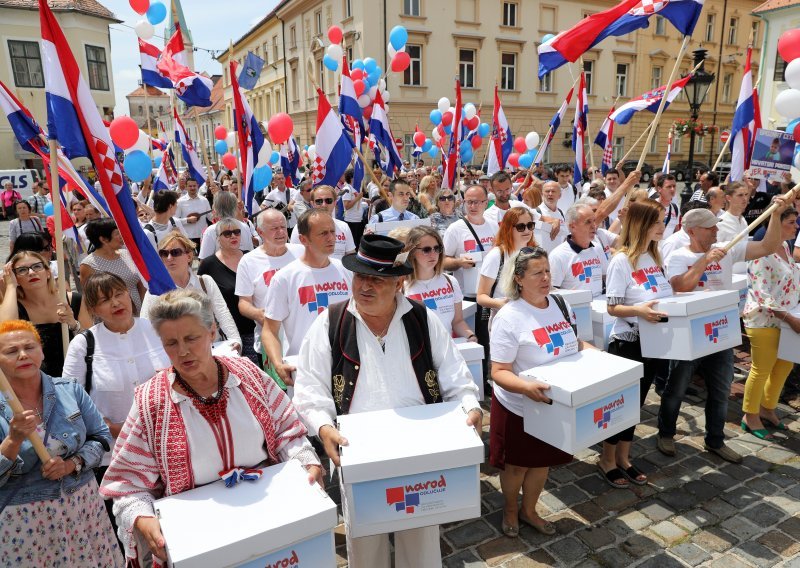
[{"x": 213, "y": 24}]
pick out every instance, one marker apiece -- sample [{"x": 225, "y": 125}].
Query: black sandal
[
  {"x": 632, "y": 473},
  {"x": 612, "y": 476}
]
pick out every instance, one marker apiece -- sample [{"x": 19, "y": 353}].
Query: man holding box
[
  {"x": 357, "y": 357},
  {"x": 704, "y": 265}
]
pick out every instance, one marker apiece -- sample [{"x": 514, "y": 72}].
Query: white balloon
[
  {"x": 264, "y": 155},
  {"x": 443, "y": 105},
  {"x": 335, "y": 51},
  {"x": 382, "y": 85},
  {"x": 312, "y": 152},
  {"x": 142, "y": 143},
  {"x": 435, "y": 134},
  {"x": 364, "y": 100},
  {"x": 470, "y": 111},
  {"x": 531, "y": 140},
  {"x": 144, "y": 29},
  {"x": 372, "y": 92},
  {"x": 390, "y": 50},
  {"x": 231, "y": 139},
  {"x": 792, "y": 73},
  {"x": 386, "y": 96},
  {"x": 787, "y": 103}
]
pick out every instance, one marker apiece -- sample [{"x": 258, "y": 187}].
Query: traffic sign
[
  {"x": 398, "y": 142},
  {"x": 724, "y": 136}
]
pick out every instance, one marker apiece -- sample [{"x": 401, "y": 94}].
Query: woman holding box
[
  {"x": 772, "y": 292},
  {"x": 634, "y": 281},
  {"x": 519, "y": 342}
]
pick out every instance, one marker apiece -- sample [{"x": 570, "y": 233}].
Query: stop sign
[
  {"x": 398, "y": 142},
  {"x": 724, "y": 136}
]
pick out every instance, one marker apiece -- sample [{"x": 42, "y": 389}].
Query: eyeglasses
[
  {"x": 231, "y": 232},
  {"x": 447, "y": 198},
  {"x": 23, "y": 270},
  {"x": 307, "y": 190},
  {"x": 521, "y": 227},
  {"x": 428, "y": 250},
  {"x": 474, "y": 202},
  {"x": 174, "y": 253},
  {"x": 326, "y": 201}
]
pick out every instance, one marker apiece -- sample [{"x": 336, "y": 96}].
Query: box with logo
[
  {"x": 468, "y": 310},
  {"x": 581, "y": 303},
  {"x": 602, "y": 323},
  {"x": 278, "y": 520},
  {"x": 473, "y": 354},
  {"x": 700, "y": 323},
  {"x": 594, "y": 394},
  {"x": 472, "y": 275},
  {"x": 740, "y": 284},
  {"x": 408, "y": 468},
  {"x": 789, "y": 344},
  {"x": 388, "y": 226}
]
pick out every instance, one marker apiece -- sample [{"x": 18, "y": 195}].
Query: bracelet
[
  {"x": 471, "y": 335},
  {"x": 76, "y": 328}
]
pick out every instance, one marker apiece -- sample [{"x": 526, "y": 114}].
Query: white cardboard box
[
  {"x": 472, "y": 275},
  {"x": 473, "y": 354},
  {"x": 580, "y": 301},
  {"x": 408, "y": 468},
  {"x": 594, "y": 394},
  {"x": 700, "y": 323},
  {"x": 468, "y": 310},
  {"x": 789, "y": 344},
  {"x": 602, "y": 323},
  {"x": 255, "y": 523},
  {"x": 388, "y": 226},
  {"x": 740, "y": 284}
]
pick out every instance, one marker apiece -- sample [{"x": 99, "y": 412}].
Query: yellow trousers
[{"x": 767, "y": 373}]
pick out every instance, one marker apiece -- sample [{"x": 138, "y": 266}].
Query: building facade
[{"x": 158, "y": 102}]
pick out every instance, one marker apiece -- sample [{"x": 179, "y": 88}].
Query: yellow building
[{"x": 85, "y": 24}]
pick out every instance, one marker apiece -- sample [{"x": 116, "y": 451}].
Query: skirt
[
  {"x": 510, "y": 444},
  {"x": 70, "y": 531}
]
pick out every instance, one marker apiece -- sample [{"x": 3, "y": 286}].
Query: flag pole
[
  {"x": 636, "y": 143},
  {"x": 669, "y": 144},
  {"x": 788, "y": 196},
  {"x": 16, "y": 407},
  {"x": 662, "y": 104},
  {"x": 587, "y": 134},
  {"x": 56, "y": 200},
  {"x": 147, "y": 118},
  {"x": 239, "y": 164}
]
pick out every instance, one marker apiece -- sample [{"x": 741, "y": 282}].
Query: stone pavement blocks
[
  {"x": 791, "y": 527},
  {"x": 714, "y": 539},
  {"x": 594, "y": 485},
  {"x": 690, "y": 553},
  {"x": 761, "y": 486},
  {"x": 661, "y": 560},
  {"x": 729, "y": 561},
  {"x": 563, "y": 497},
  {"x": 589, "y": 512},
  {"x": 497, "y": 551},
  {"x": 775, "y": 454},
  {"x": 612, "y": 557},
  {"x": 741, "y": 498},
  {"x": 701, "y": 490},
  {"x": 741, "y": 527},
  {"x": 756, "y": 463},
  {"x": 678, "y": 499},
  {"x": 779, "y": 543},
  {"x": 720, "y": 480},
  {"x": 667, "y": 531},
  {"x": 562, "y": 475},
  {"x": 722, "y": 509},
  {"x": 695, "y": 519},
  {"x": 617, "y": 499},
  {"x": 789, "y": 505},
  {"x": 764, "y": 515},
  {"x": 464, "y": 559},
  {"x": 596, "y": 537},
  {"x": 565, "y": 523},
  {"x": 655, "y": 510},
  {"x": 640, "y": 546},
  {"x": 757, "y": 554},
  {"x": 568, "y": 550},
  {"x": 470, "y": 534},
  {"x": 534, "y": 559}
]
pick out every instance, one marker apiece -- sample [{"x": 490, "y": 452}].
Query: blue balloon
[
  {"x": 221, "y": 146},
  {"x": 357, "y": 64},
  {"x": 157, "y": 161},
  {"x": 791, "y": 126},
  {"x": 436, "y": 117},
  {"x": 398, "y": 37},
  {"x": 274, "y": 158},
  {"x": 305, "y": 147},
  {"x": 48, "y": 209},
  {"x": 483, "y": 130},
  {"x": 448, "y": 129},
  {"x": 138, "y": 165},
  {"x": 262, "y": 177},
  {"x": 427, "y": 145},
  {"x": 525, "y": 160},
  {"x": 367, "y": 83},
  {"x": 330, "y": 62},
  {"x": 547, "y": 38},
  {"x": 370, "y": 65},
  {"x": 433, "y": 152},
  {"x": 466, "y": 153},
  {"x": 156, "y": 13},
  {"x": 374, "y": 77}
]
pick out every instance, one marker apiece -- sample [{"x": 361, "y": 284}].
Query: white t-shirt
[
  {"x": 671, "y": 217},
  {"x": 676, "y": 240},
  {"x": 526, "y": 337},
  {"x": 344, "y": 239},
  {"x": 542, "y": 233},
  {"x": 730, "y": 226},
  {"x": 299, "y": 293},
  {"x": 647, "y": 282},
  {"x": 352, "y": 215},
  {"x": 254, "y": 276},
  {"x": 573, "y": 268},
  {"x": 279, "y": 196},
  {"x": 615, "y": 213},
  {"x": 439, "y": 294},
  {"x": 490, "y": 268},
  {"x": 208, "y": 244},
  {"x": 717, "y": 275},
  {"x": 459, "y": 240},
  {"x": 605, "y": 239},
  {"x": 156, "y": 231},
  {"x": 568, "y": 196}
]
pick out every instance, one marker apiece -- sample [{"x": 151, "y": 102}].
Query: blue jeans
[{"x": 717, "y": 371}]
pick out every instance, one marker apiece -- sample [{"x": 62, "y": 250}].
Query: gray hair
[
  {"x": 225, "y": 224},
  {"x": 225, "y": 204},
  {"x": 515, "y": 267},
  {"x": 575, "y": 210},
  {"x": 181, "y": 303},
  {"x": 586, "y": 200},
  {"x": 268, "y": 214}
]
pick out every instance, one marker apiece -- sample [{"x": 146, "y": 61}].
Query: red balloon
[
  {"x": 367, "y": 112},
  {"x": 789, "y": 45},
  {"x": 124, "y": 132},
  {"x": 359, "y": 86},
  {"x": 400, "y": 61},
  {"x": 513, "y": 158},
  {"x": 447, "y": 118},
  {"x": 356, "y": 74},
  {"x": 229, "y": 161},
  {"x": 473, "y": 122},
  {"x": 796, "y": 134},
  {"x": 476, "y": 142},
  {"x": 335, "y": 34},
  {"x": 280, "y": 128},
  {"x": 140, "y": 6},
  {"x": 419, "y": 138},
  {"x": 220, "y": 133},
  {"x": 520, "y": 145}
]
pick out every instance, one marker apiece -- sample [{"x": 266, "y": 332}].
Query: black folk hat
[{"x": 378, "y": 256}]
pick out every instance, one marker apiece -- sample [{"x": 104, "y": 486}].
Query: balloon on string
[
  {"x": 419, "y": 139},
  {"x": 335, "y": 51},
  {"x": 470, "y": 111},
  {"x": 335, "y": 34},
  {"x": 358, "y": 64},
  {"x": 156, "y": 13},
  {"x": 525, "y": 160},
  {"x": 144, "y": 30},
  {"x": 375, "y": 76},
  {"x": 466, "y": 153},
  {"x": 473, "y": 123},
  {"x": 448, "y": 130},
  {"x": 280, "y": 128},
  {"x": 231, "y": 139},
  {"x": 513, "y": 160},
  {"x": 436, "y": 117},
  {"x": 789, "y": 45},
  {"x": 531, "y": 140},
  {"x": 436, "y": 135},
  {"x": 220, "y": 132},
  {"x": 398, "y": 37},
  {"x": 483, "y": 130},
  {"x": 367, "y": 111},
  {"x": 370, "y": 64},
  {"x": 358, "y": 85},
  {"x": 357, "y": 74},
  {"x": 229, "y": 161},
  {"x": 519, "y": 145},
  {"x": 443, "y": 105},
  {"x": 433, "y": 152},
  {"x": 792, "y": 74},
  {"x": 787, "y": 103},
  {"x": 124, "y": 132},
  {"x": 476, "y": 142},
  {"x": 142, "y": 142},
  {"x": 140, "y": 6},
  {"x": 48, "y": 209},
  {"x": 137, "y": 165},
  {"x": 373, "y": 90},
  {"x": 329, "y": 62},
  {"x": 400, "y": 61},
  {"x": 547, "y": 37},
  {"x": 157, "y": 161},
  {"x": 427, "y": 145},
  {"x": 386, "y": 98},
  {"x": 274, "y": 157},
  {"x": 390, "y": 50},
  {"x": 447, "y": 118},
  {"x": 312, "y": 152},
  {"x": 364, "y": 101},
  {"x": 220, "y": 146},
  {"x": 262, "y": 177}
]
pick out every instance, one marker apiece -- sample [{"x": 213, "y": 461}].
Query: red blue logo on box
[
  {"x": 407, "y": 497},
  {"x": 316, "y": 301},
  {"x": 713, "y": 328},
  {"x": 602, "y": 414}
]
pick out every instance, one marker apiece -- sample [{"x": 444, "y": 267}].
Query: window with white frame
[
  {"x": 655, "y": 76},
  {"x": 654, "y": 143},
  {"x": 510, "y": 14},
  {"x": 508, "y": 71},
  {"x": 292, "y": 37},
  {"x": 699, "y": 145},
  {"x": 26, "y": 63},
  {"x": 754, "y": 30},
  {"x": 780, "y": 69},
  {"x": 98, "y": 70},
  {"x": 411, "y": 7},
  {"x": 621, "y": 87},
  {"x": 588, "y": 71},
  {"x": 321, "y": 74},
  {"x": 546, "y": 83},
  {"x": 318, "y": 22},
  {"x": 275, "y": 55},
  {"x": 466, "y": 67},
  {"x": 413, "y": 73},
  {"x": 727, "y": 86},
  {"x": 710, "y": 21},
  {"x": 266, "y": 53},
  {"x": 677, "y": 144},
  {"x": 660, "y": 27},
  {"x": 733, "y": 30},
  {"x": 618, "y": 148}
]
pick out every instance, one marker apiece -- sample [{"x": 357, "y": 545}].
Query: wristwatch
[{"x": 78, "y": 461}]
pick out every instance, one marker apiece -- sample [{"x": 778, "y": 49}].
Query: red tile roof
[
  {"x": 770, "y": 5},
  {"x": 90, "y": 7},
  {"x": 151, "y": 91}
]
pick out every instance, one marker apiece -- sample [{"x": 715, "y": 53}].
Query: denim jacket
[{"x": 72, "y": 419}]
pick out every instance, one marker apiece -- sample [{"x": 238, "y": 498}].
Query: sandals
[
  {"x": 776, "y": 425},
  {"x": 612, "y": 476},
  {"x": 633, "y": 473},
  {"x": 546, "y": 528},
  {"x": 510, "y": 530},
  {"x": 762, "y": 434}
]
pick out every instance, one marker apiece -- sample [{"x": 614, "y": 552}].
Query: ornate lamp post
[{"x": 696, "y": 90}]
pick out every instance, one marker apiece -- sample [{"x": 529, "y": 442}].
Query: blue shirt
[{"x": 392, "y": 214}]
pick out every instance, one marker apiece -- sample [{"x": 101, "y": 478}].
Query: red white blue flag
[
  {"x": 381, "y": 133},
  {"x": 251, "y": 140},
  {"x": 579, "y": 131},
  {"x": 648, "y": 101},
  {"x": 352, "y": 117},
  {"x": 555, "y": 122},
  {"x": 334, "y": 146},
  {"x": 743, "y": 128},
  {"x": 605, "y": 139},
  {"x": 193, "y": 164},
  {"x": 290, "y": 160},
  {"x": 501, "y": 141},
  {"x": 454, "y": 153},
  {"x": 665, "y": 167},
  {"x": 192, "y": 88},
  {"x": 149, "y": 54}
]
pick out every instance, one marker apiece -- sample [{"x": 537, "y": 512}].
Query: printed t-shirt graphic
[{"x": 439, "y": 294}]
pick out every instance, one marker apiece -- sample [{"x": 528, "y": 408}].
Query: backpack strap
[
  {"x": 562, "y": 305},
  {"x": 88, "y": 358},
  {"x": 474, "y": 234},
  {"x": 380, "y": 217},
  {"x": 499, "y": 272},
  {"x": 172, "y": 222}
]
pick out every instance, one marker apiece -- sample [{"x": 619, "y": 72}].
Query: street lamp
[{"x": 696, "y": 90}]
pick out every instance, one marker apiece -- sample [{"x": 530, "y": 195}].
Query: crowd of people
[{"x": 157, "y": 395}]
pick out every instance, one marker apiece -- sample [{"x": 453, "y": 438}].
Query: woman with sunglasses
[
  {"x": 516, "y": 231},
  {"x": 221, "y": 267},
  {"x": 445, "y": 210},
  {"x": 177, "y": 253},
  {"x": 31, "y": 295},
  {"x": 428, "y": 281}
]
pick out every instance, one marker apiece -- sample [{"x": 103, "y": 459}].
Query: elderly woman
[
  {"x": 445, "y": 214},
  {"x": 24, "y": 223},
  {"x": 177, "y": 252},
  {"x": 51, "y": 512},
  {"x": 110, "y": 255},
  {"x": 524, "y": 459},
  {"x": 221, "y": 267},
  {"x": 166, "y": 445}
]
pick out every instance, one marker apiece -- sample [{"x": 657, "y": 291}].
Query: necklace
[
  {"x": 36, "y": 407},
  {"x": 381, "y": 337},
  {"x": 211, "y": 407}
]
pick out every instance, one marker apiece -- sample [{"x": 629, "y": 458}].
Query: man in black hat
[{"x": 356, "y": 357}]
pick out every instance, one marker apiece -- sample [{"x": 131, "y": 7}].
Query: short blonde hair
[{"x": 182, "y": 239}]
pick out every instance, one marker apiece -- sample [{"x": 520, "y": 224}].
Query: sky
[{"x": 210, "y": 31}]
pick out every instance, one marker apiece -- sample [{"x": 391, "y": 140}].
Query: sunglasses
[
  {"x": 326, "y": 201},
  {"x": 23, "y": 270},
  {"x": 522, "y": 227},
  {"x": 231, "y": 232},
  {"x": 447, "y": 198},
  {"x": 174, "y": 253},
  {"x": 428, "y": 250}
]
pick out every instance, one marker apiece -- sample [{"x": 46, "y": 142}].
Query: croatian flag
[
  {"x": 648, "y": 101},
  {"x": 625, "y": 17},
  {"x": 193, "y": 164},
  {"x": 168, "y": 156},
  {"x": 501, "y": 141},
  {"x": 665, "y": 167},
  {"x": 380, "y": 131},
  {"x": 743, "y": 128},
  {"x": 160, "y": 183},
  {"x": 74, "y": 121},
  {"x": 251, "y": 140},
  {"x": 579, "y": 131},
  {"x": 454, "y": 153},
  {"x": 290, "y": 160},
  {"x": 192, "y": 88},
  {"x": 334, "y": 147},
  {"x": 351, "y": 114},
  {"x": 605, "y": 139},
  {"x": 149, "y": 55},
  {"x": 555, "y": 122}
]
